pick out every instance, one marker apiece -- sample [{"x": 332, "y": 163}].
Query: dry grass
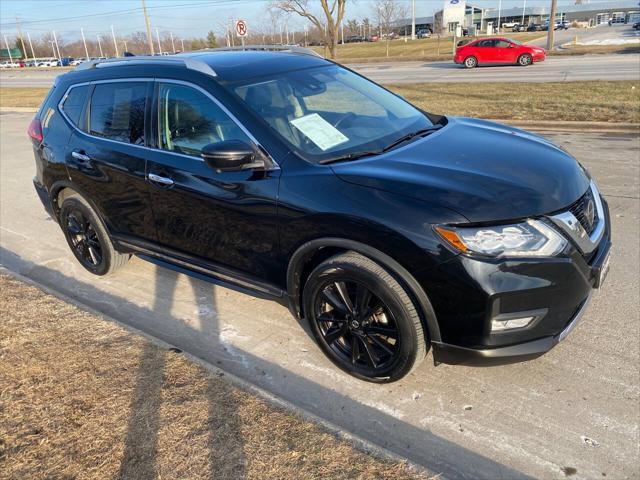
[
  {"x": 616, "y": 102},
  {"x": 613, "y": 102},
  {"x": 83, "y": 398},
  {"x": 21, "y": 97}
]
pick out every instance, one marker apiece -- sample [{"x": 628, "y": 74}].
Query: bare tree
[
  {"x": 333, "y": 11},
  {"x": 388, "y": 15}
]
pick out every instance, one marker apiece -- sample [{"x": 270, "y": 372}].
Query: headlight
[{"x": 529, "y": 239}]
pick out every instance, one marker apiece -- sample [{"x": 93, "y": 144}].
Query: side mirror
[{"x": 231, "y": 156}]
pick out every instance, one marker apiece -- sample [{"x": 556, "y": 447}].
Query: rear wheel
[
  {"x": 525, "y": 59},
  {"x": 363, "y": 319},
  {"x": 87, "y": 237},
  {"x": 471, "y": 62}
]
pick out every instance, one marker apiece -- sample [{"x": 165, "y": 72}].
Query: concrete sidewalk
[{"x": 574, "y": 408}]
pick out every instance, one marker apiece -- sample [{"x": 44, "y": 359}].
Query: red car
[{"x": 497, "y": 51}]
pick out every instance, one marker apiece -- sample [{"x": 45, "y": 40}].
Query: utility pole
[
  {"x": 413, "y": 19},
  {"x": 499, "y": 13},
  {"x": 6, "y": 43},
  {"x": 115, "y": 44},
  {"x": 31, "y": 45},
  {"x": 159, "y": 44},
  {"x": 125, "y": 46},
  {"x": 53, "y": 48},
  {"x": 148, "y": 24},
  {"x": 55, "y": 39},
  {"x": 182, "y": 43},
  {"x": 100, "y": 46},
  {"x": 86, "y": 50},
  {"x": 524, "y": 6},
  {"x": 173, "y": 45},
  {"x": 552, "y": 24},
  {"x": 24, "y": 50}
]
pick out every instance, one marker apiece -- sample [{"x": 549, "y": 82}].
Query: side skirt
[{"x": 203, "y": 271}]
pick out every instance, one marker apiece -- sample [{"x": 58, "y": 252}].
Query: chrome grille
[{"x": 580, "y": 209}]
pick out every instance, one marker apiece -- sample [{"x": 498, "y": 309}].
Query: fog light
[{"x": 502, "y": 325}]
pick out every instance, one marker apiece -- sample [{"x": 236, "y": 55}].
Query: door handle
[
  {"x": 81, "y": 156},
  {"x": 158, "y": 179}
]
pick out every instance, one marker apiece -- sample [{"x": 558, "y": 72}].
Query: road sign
[{"x": 241, "y": 28}]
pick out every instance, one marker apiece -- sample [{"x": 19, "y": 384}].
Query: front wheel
[
  {"x": 525, "y": 60},
  {"x": 363, "y": 319},
  {"x": 471, "y": 62}
]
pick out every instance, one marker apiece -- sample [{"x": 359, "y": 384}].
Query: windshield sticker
[{"x": 319, "y": 131}]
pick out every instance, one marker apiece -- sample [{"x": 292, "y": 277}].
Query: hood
[{"x": 483, "y": 170}]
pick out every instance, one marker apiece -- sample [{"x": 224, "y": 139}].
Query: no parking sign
[{"x": 241, "y": 28}]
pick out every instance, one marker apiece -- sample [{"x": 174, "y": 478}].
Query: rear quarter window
[
  {"x": 74, "y": 103},
  {"x": 117, "y": 111}
]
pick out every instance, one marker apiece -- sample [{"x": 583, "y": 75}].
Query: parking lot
[{"x": 572, "y": 411}]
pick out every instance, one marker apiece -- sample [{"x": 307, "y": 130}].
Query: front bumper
[
  {"x": 561, "y": 288},
  {"x": 456, "y": 355}
]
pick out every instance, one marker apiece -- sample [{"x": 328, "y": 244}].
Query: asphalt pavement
[
  {"x": 574, "y": 411},
  {"x": 554, "y": 69}
]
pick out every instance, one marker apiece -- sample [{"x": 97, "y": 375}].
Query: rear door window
[
  {"x": 117, "y": 111},
  {"x": 74, "y": 103}
]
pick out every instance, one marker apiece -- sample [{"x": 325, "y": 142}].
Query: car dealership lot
[
  {"x": 574, "y": 408},
  {"x": 554, "y": 69}
]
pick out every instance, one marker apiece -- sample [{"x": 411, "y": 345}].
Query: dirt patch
[{"x": 83, "y": 398}]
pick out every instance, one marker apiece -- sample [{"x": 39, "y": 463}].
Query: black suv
[{"x": 284, "y": 175}]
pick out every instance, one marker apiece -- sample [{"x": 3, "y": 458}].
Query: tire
[
  {"x": 380, "y": 340},
  {"x": 88, "y": 238},
  {"x": 470, "y": 62},
  {"x": 525, "y": 60}
]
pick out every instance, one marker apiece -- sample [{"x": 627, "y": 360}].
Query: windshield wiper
[
  {"x": 349, "y": 157},
  {"x": 354, "y": 156},
  {"x": 418, "y": 133}
]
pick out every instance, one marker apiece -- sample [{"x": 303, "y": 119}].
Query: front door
[
  {"x": 506, "y": 51},
  {"x": 224, "y": 218}
]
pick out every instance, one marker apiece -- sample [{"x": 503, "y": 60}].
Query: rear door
[
  {"x": 486, "y": 51},
  {"x": 106, "y": 154},
  {"x": 222, "y": 218}
]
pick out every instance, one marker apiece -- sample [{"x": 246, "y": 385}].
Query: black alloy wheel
[
  {"x": 363, "y": 319},
  {"x": 88, "y": 238},
  {"x": 84, "y": 240},
  {"x": 357, "y": 326}
]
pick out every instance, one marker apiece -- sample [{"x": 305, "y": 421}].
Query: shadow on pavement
[{"x": 420, "y": 446}]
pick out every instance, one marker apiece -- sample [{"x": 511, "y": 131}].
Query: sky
[{"x": 184, "y": 18}]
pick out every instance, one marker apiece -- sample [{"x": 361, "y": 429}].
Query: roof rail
[
  {"x": 188, "y": 62},
  {"x": 267, "y": 48}
]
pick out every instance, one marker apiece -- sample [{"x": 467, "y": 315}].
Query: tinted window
[
  {"x": 502, "y": 44},
  {"x": 74, "y": 103},
  {"x": 117, "y": 111},
  {"x": 189, "y": 120},
  {"x": 330, "y": 112},
  {"x": 486, "y": 43}
]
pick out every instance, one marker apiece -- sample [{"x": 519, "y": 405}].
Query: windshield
[{"x": 330, "y": 112}]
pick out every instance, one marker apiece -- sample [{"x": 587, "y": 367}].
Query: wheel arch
[
  {"x": 310, "y": 254},
  {"x": 62, "y": 189}
]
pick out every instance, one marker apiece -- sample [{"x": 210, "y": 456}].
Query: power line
[{"x": 119, "y": 12}]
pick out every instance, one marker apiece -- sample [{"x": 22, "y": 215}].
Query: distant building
[{"x": 460, "y": 13}]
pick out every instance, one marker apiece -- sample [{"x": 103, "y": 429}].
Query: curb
[
  {"x": 355, "y": 440},
  {"x": 569, "y": 126}
]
